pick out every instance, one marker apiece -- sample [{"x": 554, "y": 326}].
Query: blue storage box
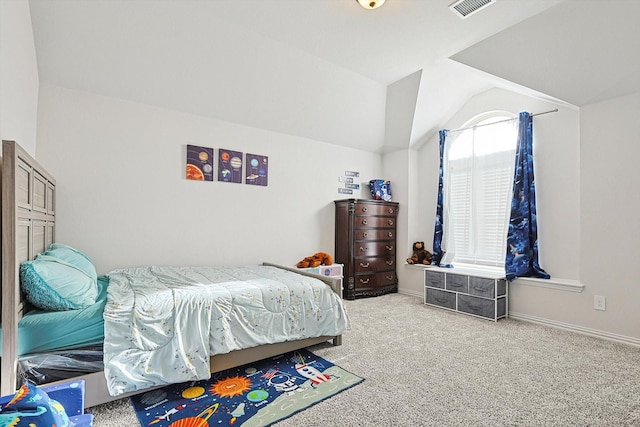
[
  {"x": 71, "y": 396},
  {"x": 380, "y": 189}
]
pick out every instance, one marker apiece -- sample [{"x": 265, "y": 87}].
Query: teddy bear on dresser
[{"x": 420, "y": 255}]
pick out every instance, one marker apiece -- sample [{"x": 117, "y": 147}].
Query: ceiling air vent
[{"x": 466, "y": 8}]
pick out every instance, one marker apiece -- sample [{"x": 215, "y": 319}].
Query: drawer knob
[
  {"x": 389, "y": 248},
  {"x": 389, "y": 277},
  {"x": 390, "y": 234},
  {"x": 390, "y": 222},
  {"x": 365, "y": 234},
  {"x": 363, "y": 249},
  {"x": 364, "y": 209},
  {"x": 390, "y": 262},
  {"x": 364, "y": 265},
  {"x": 364, "y": 281},
  {"x": 364, "y": 222},
  {"x": 390, "y": 210}
]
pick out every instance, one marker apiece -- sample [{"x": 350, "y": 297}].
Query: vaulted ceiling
[{"x": 320, "y": 69}]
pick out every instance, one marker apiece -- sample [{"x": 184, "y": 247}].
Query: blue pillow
[
  {"x": 54, "y": 285},
  {"x": 74, "y": 257},
  {"x": 31, "y": 406}
]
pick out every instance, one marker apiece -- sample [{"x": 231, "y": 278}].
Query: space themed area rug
[{"x": 256, "y": 394}]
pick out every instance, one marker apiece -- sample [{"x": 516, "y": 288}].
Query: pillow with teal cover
[
  {"x": 53, "y": 284},
  {"x": 73, "y": 257},
  {"x": 31, "y": 406}
]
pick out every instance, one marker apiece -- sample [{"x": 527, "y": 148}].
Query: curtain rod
[{"x": 501, "y": 121}]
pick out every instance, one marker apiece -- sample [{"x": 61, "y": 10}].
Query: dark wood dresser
[{"x": 366, "y": 245}]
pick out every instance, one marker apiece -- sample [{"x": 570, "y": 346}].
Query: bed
[{"x": 28, "y": 233}]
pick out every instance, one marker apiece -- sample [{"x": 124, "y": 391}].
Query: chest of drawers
[
  {"x": 481, "y": 294},
  {"x": 365, "y": 242}
]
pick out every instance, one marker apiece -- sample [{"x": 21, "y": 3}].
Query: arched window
[{"x": 479, "y": 164}]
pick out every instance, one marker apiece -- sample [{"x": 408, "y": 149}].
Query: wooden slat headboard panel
[{"x": 28, "y": 228}]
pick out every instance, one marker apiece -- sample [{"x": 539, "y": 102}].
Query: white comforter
[{"x": 163, "y": 323}]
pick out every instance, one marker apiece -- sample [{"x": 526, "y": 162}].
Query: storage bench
[{"x": 478, "y": 293}]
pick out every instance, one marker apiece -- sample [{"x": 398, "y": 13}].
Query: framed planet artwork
[
  {"x": 257, "y": 170},
  {"x": 229, "y": 165},
  {"x": 200, "y": 166},
  {"x": 199, "y": 163}
]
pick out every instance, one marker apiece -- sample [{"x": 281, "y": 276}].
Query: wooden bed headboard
[{"x": 28, "y": 228}]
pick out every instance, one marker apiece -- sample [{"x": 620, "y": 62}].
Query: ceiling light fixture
[{"x": 371, "y": 4}]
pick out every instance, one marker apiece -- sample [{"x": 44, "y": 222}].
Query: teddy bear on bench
[{"x": 420, "y": 255}]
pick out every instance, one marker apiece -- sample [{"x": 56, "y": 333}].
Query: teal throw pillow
[
  {"x": 55, "y": 285},
  {"x": 73, "y": 257}
]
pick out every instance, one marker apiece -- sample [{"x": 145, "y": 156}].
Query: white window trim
[
  {"x": 568, "y": 285},
  {"x": 552, "y": 283}
]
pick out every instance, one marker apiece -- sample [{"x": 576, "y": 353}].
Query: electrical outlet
[{"x": 599, "y": 302}]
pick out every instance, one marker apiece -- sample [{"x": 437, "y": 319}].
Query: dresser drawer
[
  {"x": 481, "y": 306},
  {"x": 457, "y": 282},
  {"x": 440, "y": 298},
  {"x": 372, "y": 265},
  {"x": 501, "y": 287},
  {"x": 375, "y": 279},
  {"x": 375, "y": 209},
  {"x": 482, "y": 287},
  {"x": 366, "y": 234},
  {"x": 366, "y": 249},
  {"x": 435, "y": 279},
  {"x": 375, "y": 222}
]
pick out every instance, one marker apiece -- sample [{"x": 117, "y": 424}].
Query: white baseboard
[
  {"x": 575, "y": 328},
  {"x": 411, "y": 293},
  {"x": 554, "y": 323}
]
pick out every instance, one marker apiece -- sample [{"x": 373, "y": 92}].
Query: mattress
[{"x": 45, "y": 331}]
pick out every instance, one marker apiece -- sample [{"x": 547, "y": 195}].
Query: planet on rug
[{"x": 256, "y": 394}]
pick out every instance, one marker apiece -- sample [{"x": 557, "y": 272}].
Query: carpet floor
[{"x": 426, "y": 366}]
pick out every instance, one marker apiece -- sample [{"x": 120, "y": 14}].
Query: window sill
[
  {"x": 469, "y": 270},
  {"x": 553, "y": 283}
]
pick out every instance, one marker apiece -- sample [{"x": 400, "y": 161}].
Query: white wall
[
  {"x": 610, "y": 234},
  {"x": 123, "y": 198},
  {"x": 18, "y": 75},
  {"x": 608, "y": 231},
  {"x": 210, "y": 67},
  {"x": 400, "y": 110},
  {"x": 586, "y": 188}
]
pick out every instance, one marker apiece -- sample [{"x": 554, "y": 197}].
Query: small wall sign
[{"x": 349, "y": 184}]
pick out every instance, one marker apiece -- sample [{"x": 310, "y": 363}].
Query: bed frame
[{"x": 28, "y": 228}]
